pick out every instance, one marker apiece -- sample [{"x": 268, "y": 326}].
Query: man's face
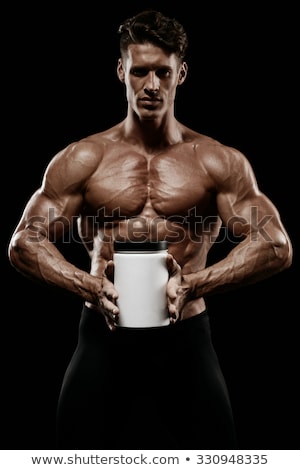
[{"x": 151, "y": 77}]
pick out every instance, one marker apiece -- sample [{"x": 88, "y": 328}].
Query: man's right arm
[
  {"x": 33, "y": 253},
  {"x": 47, "y": 218}
]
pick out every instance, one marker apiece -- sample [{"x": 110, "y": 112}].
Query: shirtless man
[{"x": 149, "y": 177}]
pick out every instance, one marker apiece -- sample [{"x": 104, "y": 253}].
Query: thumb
[{"x": 110, "y": 270}]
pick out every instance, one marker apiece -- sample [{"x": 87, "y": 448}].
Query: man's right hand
[
  {"x": 177, "y": 293},
  {"x": 107, "y": 300}
]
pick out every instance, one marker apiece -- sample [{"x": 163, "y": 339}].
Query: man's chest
[{"x": 169, "y": 184}]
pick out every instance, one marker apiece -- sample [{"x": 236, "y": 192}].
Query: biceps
[
  {"x": 252, "y": 215},
  {"x": 47, "y": 217}
]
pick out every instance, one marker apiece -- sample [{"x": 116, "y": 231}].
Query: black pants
[{"x": 156, "y": 388}]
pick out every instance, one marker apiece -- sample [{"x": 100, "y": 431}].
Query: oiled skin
[{"x": 150, "y": 177}]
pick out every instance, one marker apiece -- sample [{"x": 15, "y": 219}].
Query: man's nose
[{"x": 152, "y": 83}]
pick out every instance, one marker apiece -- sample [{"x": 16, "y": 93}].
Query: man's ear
[
  {"x": 182, "y": 73},
  {"x": 120, "y": 71}
]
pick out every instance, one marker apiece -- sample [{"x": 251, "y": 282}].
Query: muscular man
[{"x": 149, "y": 177}]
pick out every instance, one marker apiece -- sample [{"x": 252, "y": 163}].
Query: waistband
[{"x": 188, "y": 323}]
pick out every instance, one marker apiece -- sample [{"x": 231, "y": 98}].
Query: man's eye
[
  {"x": 163, "y": 73},
  {"x": 139, "y": 72}
]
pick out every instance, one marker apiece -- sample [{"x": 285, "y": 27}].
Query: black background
[{"x": 58, "y": 85}]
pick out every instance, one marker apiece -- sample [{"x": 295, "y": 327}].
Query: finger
[
  {"x": 111, "y": 314},
  {"x": 173, "y": 315},
  {"x": 111, "y": 325},
  {"x": 172, "y": 265},
  {"x": 109, "y": 290},
  {"x": 172, "y": 302},
  {"x": 172, "y": 288},
  {"x": 109, "y": 307},
  {"x": 110, "y": 270}
]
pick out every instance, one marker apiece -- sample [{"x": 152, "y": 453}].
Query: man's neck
[{"x": 152, "y": 135}]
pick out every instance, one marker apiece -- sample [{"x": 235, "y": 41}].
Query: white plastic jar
[{"x": 141, "y": 278}]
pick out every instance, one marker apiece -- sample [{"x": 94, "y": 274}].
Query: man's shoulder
[
  {"x": 217, "y": 157},
  {"x": 201, "y": 140},
  {"x": 204, "y": 145},
  {"x": 90, "y": 147}
]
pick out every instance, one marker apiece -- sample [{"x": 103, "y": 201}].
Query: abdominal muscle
[
  {"x": 152, "y": 205},
  {"x": 189, "y": 250}
]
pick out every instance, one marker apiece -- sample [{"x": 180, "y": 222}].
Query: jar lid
[{"x": 140, "y": 246}]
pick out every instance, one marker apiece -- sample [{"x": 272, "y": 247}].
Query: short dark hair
[{"x": 154, "y": 27}]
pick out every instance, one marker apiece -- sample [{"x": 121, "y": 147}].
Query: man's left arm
[{"x": 265, "y": 247}]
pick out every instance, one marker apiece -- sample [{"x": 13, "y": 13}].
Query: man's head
[
  {"x": 152, "y": 63},
  {"x": 155, "y": 28}
]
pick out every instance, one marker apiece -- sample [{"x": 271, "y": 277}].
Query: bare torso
[
  {"x": 120, "y": 185},
  {"x": 164, "y": 195},
  {"x": 150, "y": 177}
]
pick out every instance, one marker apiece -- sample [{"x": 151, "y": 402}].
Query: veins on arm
[
  {"x": 47, "y": 218},
  {"x": 264, "y": 247}
]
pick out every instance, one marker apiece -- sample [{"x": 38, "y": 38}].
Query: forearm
[
  {"x": 41, "y": 261},
  {"x": 247, "y": 263}
]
